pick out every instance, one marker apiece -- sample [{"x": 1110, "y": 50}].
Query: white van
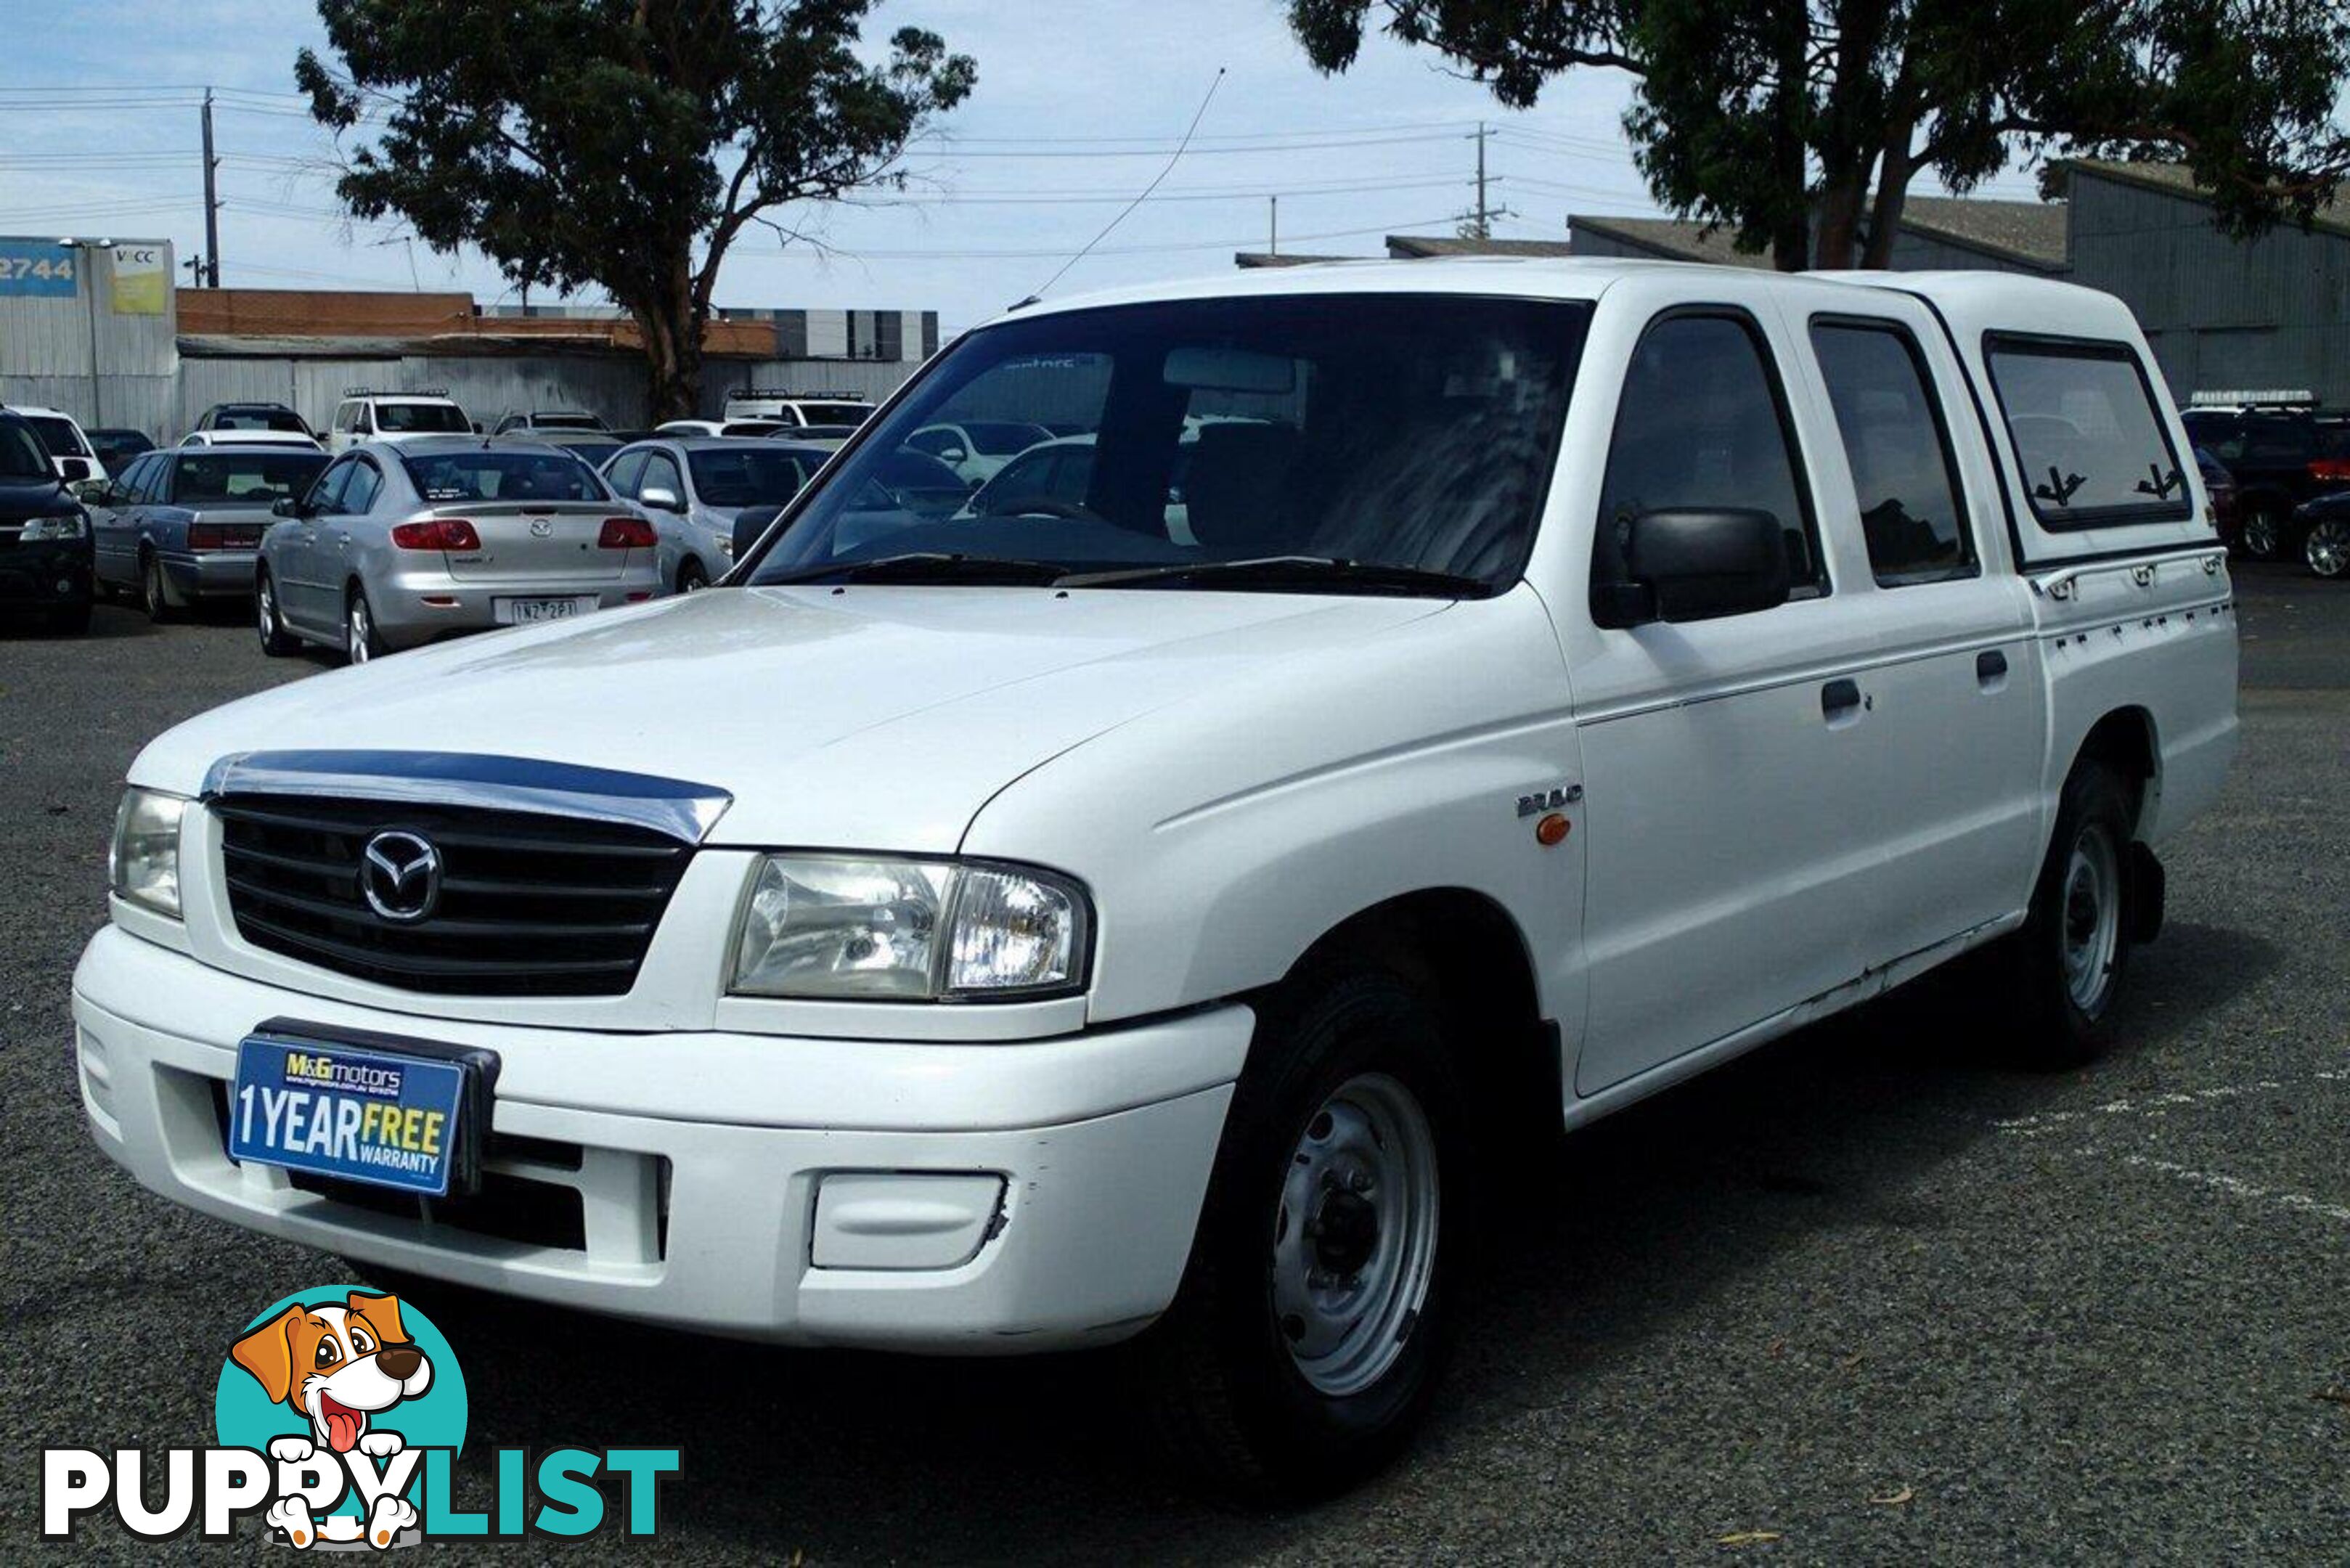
[
  {"x": 77, "y": 462},
  {"x": 798, "y": 408},
  {"x": 366, "y": 415},
  {"x": 1028, "y": 924}
]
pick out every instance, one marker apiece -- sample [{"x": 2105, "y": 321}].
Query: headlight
[
  {"x": 144, "y": 864},
  {"x": 42, "y": 530},
  {"x": 842, "y": 928}
]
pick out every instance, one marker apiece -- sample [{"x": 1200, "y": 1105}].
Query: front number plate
[
  {"x": 522, "y": 612},
  {"x": 380, "y": 1117}
]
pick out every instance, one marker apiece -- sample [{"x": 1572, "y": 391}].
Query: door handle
[
  {"x": 1991, "y": 670},
  {"x": 1840, "y": 699}
]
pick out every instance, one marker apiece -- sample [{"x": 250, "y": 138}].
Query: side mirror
[
  {"x": 92, "y": 491},
  {"x": 749, "y": 524},
  {"x": 289, "y": 506},
  {"x": 73, "y": 469},
  {"x": 1695, "y": 564},
  {"x": 477, "y": 427},
  {"x": 953, "y": 454},
  {"x": 659, "y": 497}
]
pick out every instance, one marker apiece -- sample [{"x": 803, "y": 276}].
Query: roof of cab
[{"x": 1553, "y": 277}]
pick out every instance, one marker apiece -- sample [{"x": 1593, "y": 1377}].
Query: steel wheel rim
[
  {"x": 2329, "y": 548},
  {"x": 2261, "y": 533},
  {"x": 359, "y": 634},
  {"x": 2091, "y": 918},
  {"x": 1354, "y": 1238}
]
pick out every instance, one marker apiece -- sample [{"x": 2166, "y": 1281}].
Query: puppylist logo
[{"x": 339, "y": 1414}]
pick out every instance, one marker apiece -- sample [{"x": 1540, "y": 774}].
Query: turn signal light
[
  {"x": 451, "y": 533},
  {"x": 626, "y": 533}
]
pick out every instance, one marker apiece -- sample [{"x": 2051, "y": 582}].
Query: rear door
[
  {"x": 308, "y": 593},
  {"x": 115, "y": 530},
  {"x": 1955, "y": 692}
]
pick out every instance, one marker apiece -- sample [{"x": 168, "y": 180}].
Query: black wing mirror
[
  {"x": 1694, "y": 563},
  {"x": 73, "y": 470},
  {"x": 289, "y": 506},
  {"x": 749, "y": 524}
]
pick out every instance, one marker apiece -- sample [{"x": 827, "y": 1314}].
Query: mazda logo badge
[
  {"x": 400, "y": 876},
  {"x": 541, "y": 528}
]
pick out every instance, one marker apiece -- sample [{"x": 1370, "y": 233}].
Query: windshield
[
  {"x": 249, "y": 479},
  {"x": 260, "y": 419},
  {"x": 730, "y": 477},
  {"x": 474, "y": 475},
  {"x": 566, "y": 422},
  {"x": 1414, "y": 431},
  {"x": 21, "y": 453},
  {"x": 849, "y": 414},
  {"x": 56, "y": 434},
  {"x": 412, "y": 418}
]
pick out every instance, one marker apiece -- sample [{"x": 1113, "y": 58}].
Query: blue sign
[
  {"x": 38, "y": 268},
  {"x": 336, "y": 1110}
]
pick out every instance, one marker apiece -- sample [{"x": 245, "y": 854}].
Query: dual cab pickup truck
[{"x": 1437, "y": 693}]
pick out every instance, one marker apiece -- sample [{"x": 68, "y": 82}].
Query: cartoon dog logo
[{"x": 337, "y": 1366}]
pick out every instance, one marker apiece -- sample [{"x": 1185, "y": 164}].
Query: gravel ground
[{"x": 1859, "y": 1297}]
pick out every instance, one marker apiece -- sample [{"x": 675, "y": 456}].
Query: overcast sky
[{"x": 1076, "y": 109}]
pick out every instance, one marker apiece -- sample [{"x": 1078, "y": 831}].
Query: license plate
[
  {"x": 522, "y": 612},
  {"x": 401, "y": 1118}
]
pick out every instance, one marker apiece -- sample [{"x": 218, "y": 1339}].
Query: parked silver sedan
[
  {"x": 180, "y": 526},
  {"x": 694, "y": 488},
  {"x": 401, "y": 544}
]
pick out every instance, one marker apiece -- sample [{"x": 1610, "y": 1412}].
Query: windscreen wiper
[
  {"x": 923, "y": 566},
  {"x": 1286, "y": 571}
]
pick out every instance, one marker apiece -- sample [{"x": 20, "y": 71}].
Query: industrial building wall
[
  {"x": 2267, "y": 314},
  {"x": 1916, "y": 252},
  {"x": 46, "y": 338}
]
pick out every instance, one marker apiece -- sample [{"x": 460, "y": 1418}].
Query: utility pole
[
  {"x": 212, "y": 201},
  {"x": 1479, "y": 224},
  {"x": 1273, "y": 227}
]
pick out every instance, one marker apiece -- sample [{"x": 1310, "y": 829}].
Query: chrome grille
[{"x": 529, "y": 905}]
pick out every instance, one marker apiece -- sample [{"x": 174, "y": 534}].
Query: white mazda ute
[{"x": 1439, "y": 699}]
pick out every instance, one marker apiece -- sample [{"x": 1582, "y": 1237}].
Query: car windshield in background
[
  {"x": 412, "y": 418},
  {"x": 244, "y": 479},
  {"x": 474, "y": 475},
  {"x": 1375, "y": 444},
  {"x": 729, "y": 476},
  {"x": 260, "y": 419},
  {"x": 850, "y": 415},
  {"x": 56, "y": 434},
  {"x": 566, "y": 422},
  {"x": 21, "y": 453}
]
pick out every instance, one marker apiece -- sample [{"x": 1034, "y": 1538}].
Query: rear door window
[
  {"x": 360, "y": 493},
  {"x": 1912, "y": 511},
  {"x": 2082, "y": 422}
]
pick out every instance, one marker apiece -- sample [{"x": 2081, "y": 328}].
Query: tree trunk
[
  {"x": 1791, "y": 228},
  {"x": 672, "y": 323},
  {"x": 1892, "y": 193},
  {"x": 1840, "y": 202}
]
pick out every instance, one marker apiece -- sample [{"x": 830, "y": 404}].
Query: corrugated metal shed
[{"x": 102, "y": 365}]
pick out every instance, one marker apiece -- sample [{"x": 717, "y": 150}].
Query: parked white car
[
  {"x": 976, "y": 449},
  {"x": 1000, "y": 932},
  {"x": 789, "y": 408},
  {"x": 228, "y": 437},
  {"x": 77, "y": 462}
]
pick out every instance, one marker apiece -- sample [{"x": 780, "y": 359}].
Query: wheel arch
[
  {"x": 1468, "y": 953},
  {"x": 2127, "y": 740}
]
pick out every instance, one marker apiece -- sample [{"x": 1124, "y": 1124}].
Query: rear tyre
[
  {"x": 361, "y": 640},
  {"x": 155, "y": 592},
  {"x": 276, "y": 640},
  {"x": 2065, "y": 966},
  {"x": 690, "y": 578},
  {"x": 1314, "y": 1314},
  {"x": 2327, "y": 548}
]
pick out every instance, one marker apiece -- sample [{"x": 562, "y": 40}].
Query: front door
[{"x": 1724, "y": 760}]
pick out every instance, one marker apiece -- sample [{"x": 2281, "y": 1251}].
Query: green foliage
[
  {"x": 1800, "y": 123},
  {"x": 623, "y": 144}
]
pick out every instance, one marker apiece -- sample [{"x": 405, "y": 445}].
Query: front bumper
[
  {"x": 706, "y": 1215},
  {"x": 54, "y": 572}
]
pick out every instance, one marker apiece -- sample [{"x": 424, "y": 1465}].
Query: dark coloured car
[
  {"x": 182, "y": 526},
  {"x": 2280, "y": 456},
  {"x": 2324, "y": 526},
  {"x": 45, "y": 535},
  {"x": 116, "y": 448}
]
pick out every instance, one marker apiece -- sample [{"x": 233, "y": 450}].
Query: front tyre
[
  {"x": 690, "y": 578},
  {"x": 1306, "y": 1341},
  {"x": 2067, "y": 962}
]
